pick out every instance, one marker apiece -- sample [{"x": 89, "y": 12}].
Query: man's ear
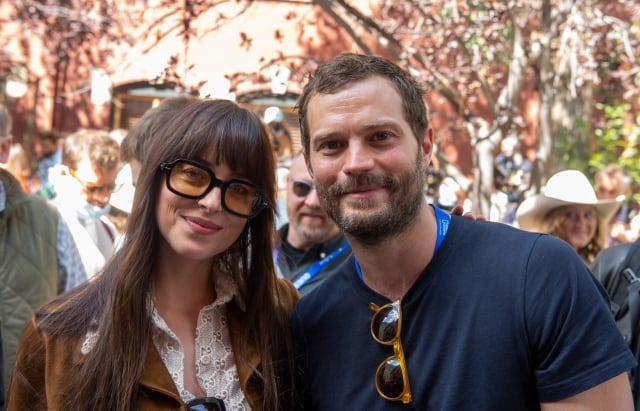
[{"x": 426, "y": 145}]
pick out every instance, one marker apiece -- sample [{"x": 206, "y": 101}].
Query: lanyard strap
[
  {"x": 316, "y": 267},
  {"x": 442, "y": 223}
]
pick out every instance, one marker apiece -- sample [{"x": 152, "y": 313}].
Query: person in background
[
  {"x": 568, "y": 209},
  {"x": 311, "y": 244},
  {"x": 18, "y": 164},
  {"x": 83, "y": 184},
  {"x": 38, "y": 257},
  {"x": 512, "y": 177},
  {"x": 612, "y": 183},
  {"x": 189, "y": 314},
  {"x": 50, "y": 156},
  {"x": 281, "y": 137},
  {"x": 514, "y": 321}
]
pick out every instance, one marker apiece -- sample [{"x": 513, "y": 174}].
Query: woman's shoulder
[{"x": 287, "y": 295}]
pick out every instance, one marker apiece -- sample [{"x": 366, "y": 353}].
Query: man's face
[
  {"x": 607, "y": 188},
  {"x": 366, "y": 162},
  {"x": 97, "y": 184},
  {"x": 308, "y": 223},
  {"x": 48, "y": 148}
]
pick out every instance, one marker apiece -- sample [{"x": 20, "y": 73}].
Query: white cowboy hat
[{"x": 569, "y": 187}]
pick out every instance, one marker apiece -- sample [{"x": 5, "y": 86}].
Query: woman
[
  {"x": 189, "y": 308},
  {"x": 568, "y": 208}
]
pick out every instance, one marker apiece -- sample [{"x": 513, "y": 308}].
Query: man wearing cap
[{"x": 569, "y": 209}]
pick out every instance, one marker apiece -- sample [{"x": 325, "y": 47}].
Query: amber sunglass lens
[
  {"x": 241, "y": 198},
  {"x": 389, "y": 378},
  {"x": 189, "y": 179},
  {"x": 384, "y": 325}
]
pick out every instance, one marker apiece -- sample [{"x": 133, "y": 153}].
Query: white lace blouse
[{"x": 215, "y": 365}]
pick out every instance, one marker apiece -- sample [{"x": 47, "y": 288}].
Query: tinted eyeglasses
[
  {"x": 392, "y": 378},
  {"x": 93, "y": 188},
  {"x": 205, "y": 404},
  {"x": 301, "y": 188},
  {"x": 190, "y": 179}
]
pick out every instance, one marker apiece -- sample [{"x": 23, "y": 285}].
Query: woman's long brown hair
[{"x": 115, "y": 303}]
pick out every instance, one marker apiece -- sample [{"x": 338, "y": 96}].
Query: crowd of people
[{"x": 353, "y": 288}]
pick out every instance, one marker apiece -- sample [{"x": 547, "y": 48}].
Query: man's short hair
[
  {"x": 48, "y": 135},
  {"x": 102, "y": 150}
]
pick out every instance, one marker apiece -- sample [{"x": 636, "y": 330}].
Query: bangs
[{"x": 232, "y": 135}]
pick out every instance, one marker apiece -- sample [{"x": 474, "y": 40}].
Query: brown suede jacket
[{"x": 44, "y": 363}]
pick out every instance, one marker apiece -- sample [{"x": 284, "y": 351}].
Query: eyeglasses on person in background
[
  {"x": 205, "y": 404},
  {"x": 193, "y": 180},
  {"x": 392, "y": 378},
  {"x": 95, "y": 188}
]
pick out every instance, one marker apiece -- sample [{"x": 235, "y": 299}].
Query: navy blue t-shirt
[{"x": 500, "y": 319}]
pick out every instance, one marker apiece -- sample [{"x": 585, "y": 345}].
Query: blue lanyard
[
  {"x": 316, "y": 267},
  {"x": 442, "y": 223}
]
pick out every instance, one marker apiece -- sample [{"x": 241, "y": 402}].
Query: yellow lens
[
  {"x": 240, "y": 197},
  {"x": 189, "y": 179}
]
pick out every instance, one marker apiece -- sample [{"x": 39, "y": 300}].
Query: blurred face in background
[
  {"x": 608, "y": 188},
  {"x": 48, "y": 147},
  {"x": 579, "y": 224},
  {"x": 308, "y": 223},
  {"x": 97, "y": 184}
]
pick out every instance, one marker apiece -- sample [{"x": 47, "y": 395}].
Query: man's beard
[
  {"x": 372, "y": 228},
  {"x": 313, "y": 234}
]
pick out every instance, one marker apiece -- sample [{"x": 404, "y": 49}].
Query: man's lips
[
  {"x": 362, "y": 191},
  {"x": 311, "y": 215}
]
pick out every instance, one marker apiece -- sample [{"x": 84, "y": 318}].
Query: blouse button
[{"x": 205, "y": 359}]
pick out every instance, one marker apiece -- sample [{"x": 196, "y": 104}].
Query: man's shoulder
[
  {"x": 331, "y": 289},
  {"x": 483, "y": 239},
  {"x": 492, "y": 228},
  {"x": 610, "y": 260}
]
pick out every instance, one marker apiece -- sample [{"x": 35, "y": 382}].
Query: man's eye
[
  {"x": 381, "y": 136},
  {"x": 329, "y": 145}
]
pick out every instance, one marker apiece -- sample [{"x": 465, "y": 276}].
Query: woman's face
[
  {"x": 198, "y": 229},
  {"x": 579, "y": 224}
]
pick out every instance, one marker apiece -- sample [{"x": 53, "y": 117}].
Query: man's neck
[{"x": 392, "y": 266}]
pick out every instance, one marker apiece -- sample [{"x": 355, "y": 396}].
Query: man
[
  {"x": 38, "y": 257},
  {"x": 470, "y": 315},
  {"x": 617, "y": 268},
  {"x": 311, "y": 243},
  {"x": 50, "y": 156},
  {"x": 84, "y": 183}
]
